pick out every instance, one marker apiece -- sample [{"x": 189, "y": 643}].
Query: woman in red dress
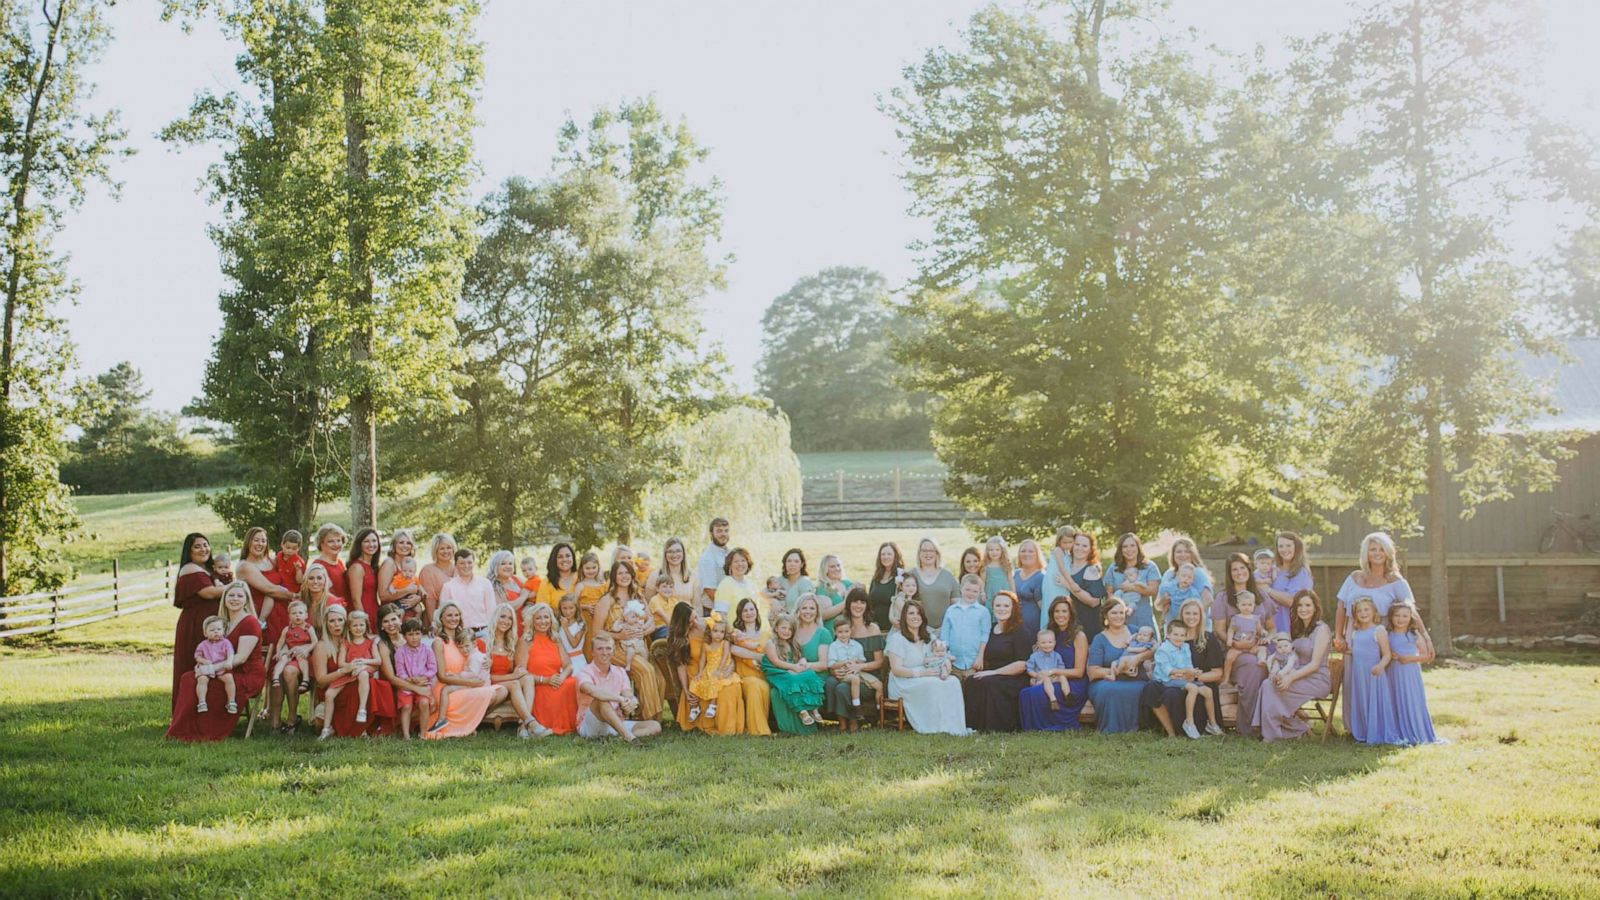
[
  {"x": 329, "y": 543},
  {"x": 361, "y": 578},
  {"x": 324, "y": 668},
  {"x": 196, "y": 595},
  {"x": 271, "y": 600},
  {"x": 249, "y": 674},
  {"x": 555, "y": 692}
]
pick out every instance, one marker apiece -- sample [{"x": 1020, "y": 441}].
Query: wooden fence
[
  {"x": 81, "y": 604},
  {"x": 883, "y": 499}
]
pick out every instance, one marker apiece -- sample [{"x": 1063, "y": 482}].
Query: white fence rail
[{"x": 81, "y": 604}]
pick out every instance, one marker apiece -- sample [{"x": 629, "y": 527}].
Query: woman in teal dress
[
  {"x": 812, "y": 638},
  {"x": 832, "y": 587},
  {"x": 796, "y": 686},
  {"x": 864, "y": 631}
]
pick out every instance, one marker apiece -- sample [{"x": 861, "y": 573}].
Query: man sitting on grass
[{"x": 605, "y": 696}]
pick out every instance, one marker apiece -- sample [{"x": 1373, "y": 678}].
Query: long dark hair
[
  {"x": 552, "y": 574},
  {"x": 1297, "y": 626},
  {"x": 738, "y": 613},
  {"x": 1071, "y": 634},
  {"x": 878, "y": 572},
  {"x": 1119, "y": 561},
  {"x": 678, "y": 635},
  {"x": 921, "y": 614},
  {"x": 1250, "y": 584},
  {"x": 634, "y": 588},
  {"x": 857, "y": 592},
  {"x": 188, "y": 545},
  {"x": 355, "y": 548},
  {"x": 383, "y": 613}
]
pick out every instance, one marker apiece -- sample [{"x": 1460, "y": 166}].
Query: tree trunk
[
  {"x": 15, "y": 231},
  {"x": 1438, "y": 574},
  {"x": 506, "y": 518},
  {"x": 363, "y": 430}
]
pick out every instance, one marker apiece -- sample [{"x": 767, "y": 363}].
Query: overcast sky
[{"x": 784, "y": 94}]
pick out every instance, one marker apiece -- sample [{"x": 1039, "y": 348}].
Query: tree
[
  {"x": 345, "y": 189},
  {"x": 1433, "y": 98},
  {"x": 826, "y": 364},
  {"x": 117, "y": 420},
  {"x": 51, "y": 149},
  {"x": 754, "y": 483},
  {"x": 1100, "y": 310}
]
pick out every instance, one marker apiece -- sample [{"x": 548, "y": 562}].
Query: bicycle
[{"x": 1580, "y": 529}]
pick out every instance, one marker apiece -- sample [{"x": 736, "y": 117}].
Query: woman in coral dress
[
  {"x": 555, "y": 691},
  {"x": 463, "y": 667}
]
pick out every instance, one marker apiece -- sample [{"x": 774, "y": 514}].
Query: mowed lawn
[{"x": 98, "y": 803}]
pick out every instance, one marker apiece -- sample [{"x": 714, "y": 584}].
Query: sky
[{"x": 785, "y": 95}]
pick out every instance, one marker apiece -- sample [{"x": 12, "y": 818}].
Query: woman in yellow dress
[
  {"x": 737, "y": 586},
  {"x": 560, "y": 575},
  {"x": 607, "y": 612},
  {"x": 749, "y": 643},
  {"x": 685, "y": 644}
]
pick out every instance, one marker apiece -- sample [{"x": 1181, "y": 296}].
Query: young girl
[
  {"x": 356, "y": 647},
  {"x": 996, "y": 570},
  {"x": 716, "y": 668},
  {"x": 907, "y": 593},
  {"x": 294, "y": 645},
  {"x": 590, "y": 585},
  {"x": 785, "y": 656},
  {"x": 1369, "y": 701},
  {"x": 571, "y": 631},
  {"x": 213, "y": 651},
  {"x": 1409, "y": 649},
  {"x": 1242, "y": 634}
]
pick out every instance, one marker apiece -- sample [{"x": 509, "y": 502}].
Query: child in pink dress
[{"x": 215, "y": 650}]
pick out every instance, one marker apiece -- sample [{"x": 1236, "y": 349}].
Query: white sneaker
[
  {"x": 537, "y": 729},
  {"x": 361, "y": 715},
  {"x": 1189, "y": 729},
  {"x": 1213, "y": 728},
  {"x": 694, "y": 713},
  {"x": 522, "y": 733}
]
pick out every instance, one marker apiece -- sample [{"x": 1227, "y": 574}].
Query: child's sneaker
[
  {"x": 361, "y": 715},
  {"x": 855, "y": 701},
  {"x": 202, "y": 707},
  {"x": 1213, "y": 728},
  {"x": 1189, "y": 729},
  {"x": 694, "y": 713},
  {"x": 711, "y": 710},
  {"x": 233, "y": 708}
]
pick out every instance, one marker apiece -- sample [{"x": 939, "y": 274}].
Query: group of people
[{"x": 381, "y": 644}]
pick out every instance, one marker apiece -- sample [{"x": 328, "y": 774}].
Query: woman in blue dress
[
  {"x": 1116, "y": 677},
  {"x": 1073, "y": 646},
  {"x": 1183, "y": 552},
  {"x": 1029, "y": 578},
  {"x": 1134, "y": 580}
]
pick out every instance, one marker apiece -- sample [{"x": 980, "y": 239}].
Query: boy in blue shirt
[
  {"x": 1175, "y": 669},
  {"x": 966, "y": 627}
]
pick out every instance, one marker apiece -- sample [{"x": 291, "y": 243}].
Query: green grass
[{"x": 98, "y": 803}]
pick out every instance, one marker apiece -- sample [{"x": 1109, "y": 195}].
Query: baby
[
  {"x": 1283, "y": 658},
  {"x": 289, "y": 567},
  {"x": 634, "y": 615},
  {"x": 406, "y": 584},
  {"x": 1046, "y": 669},
  {"x": 938, "y": 658},
  {"x": 1243, "y": 634},
  {"x": 294, "y": 645},
  {"x": 530, "y": 574},
  {"x": 777, "y": 598},
  {"x": 1264, "y": 566},
  {"x": 475, "y": 673},
  {"x": 222, "y": 564},
  {"x": 215, "y": 650},
  {"x": 1143, "y": 639},
  {"x": 845, "y": 659},
  {"x": 1184, "y": 591}
]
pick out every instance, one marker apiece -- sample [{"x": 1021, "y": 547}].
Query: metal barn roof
[{"x": 1576, "y": 386}]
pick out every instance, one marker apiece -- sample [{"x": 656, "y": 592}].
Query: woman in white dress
[{"x": 929, "y": 696}]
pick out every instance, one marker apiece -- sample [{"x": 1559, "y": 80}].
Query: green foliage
[
  {"x": 736, "y": 463},
  {"x": 51, "y": 149},
  {"x": 1102, "y": 307},
  {"x": 343, "y": 185},
  {"x": 825, "y": 362}
]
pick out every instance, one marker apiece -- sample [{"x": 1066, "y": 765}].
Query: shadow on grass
[{"x": 98, "y": 797}]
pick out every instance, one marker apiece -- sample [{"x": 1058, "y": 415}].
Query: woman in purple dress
[
  {"x": 1368, "y": 699},
  {"x": 1410, "y": 650},
  {"x": 1290, "y": 576},
  {"x": 1282, "y": 695},
  {"x": 1073, "y": 645}
]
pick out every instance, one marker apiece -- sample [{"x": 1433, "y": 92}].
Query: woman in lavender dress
[
  {"x": 1379, "y": 578},
  {"x": 1290, "y": 576},
  {"x": 1073, "y": 645},
  {"x": 1368, "y": 699},
  {"x": 1282, "y": 695},
  {"x": 1413, "y": 723},
  {"x": 1248, "y": 671}
]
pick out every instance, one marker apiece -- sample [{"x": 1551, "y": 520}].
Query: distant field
[{"x": 870, "y": 462}]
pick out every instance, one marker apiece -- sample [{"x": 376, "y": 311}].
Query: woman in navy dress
[{"x": 1073, "y": 645}]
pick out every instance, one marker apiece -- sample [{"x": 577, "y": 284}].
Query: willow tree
[
  {"x": 345, "y": 188},
  {"x": 51, "y": 150},
  {"x": 1434, "y": 99},
  {"x": 1102, "y": 308}
]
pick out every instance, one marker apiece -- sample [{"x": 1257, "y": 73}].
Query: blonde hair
[
  {"x": 787, "y": 648},
  {"x": 1391, "y": 563},
  {"x": 938, "y": 555},
  {"x": 1005, "y": 552},
  {"x": 532, "y": 612},
  {"x": 1199, "y": 635},
  {"x": 358, "y": 616},
  {"x": 324, "y": 531},
  {"x": 495, "y": 642},
  {"x": 1038, "y": 558},
  {"x": 1365, "y": 601},
  {"x": 395, "y": 539},
  {"x": 461, "y": 637}
]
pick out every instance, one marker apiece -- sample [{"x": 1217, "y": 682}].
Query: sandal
[{"x": 805, "y": 716}]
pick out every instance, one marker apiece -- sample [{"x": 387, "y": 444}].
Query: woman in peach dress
[{"x": 471, "y": 694}]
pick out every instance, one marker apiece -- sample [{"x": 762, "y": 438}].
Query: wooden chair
[
  {"x": 1313, "y": 709},
  {"x": 887, "y": 706}
]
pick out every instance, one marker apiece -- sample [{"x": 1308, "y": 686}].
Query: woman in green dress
[
  {"x": 796, "y": 686},
  {"x": 832, "y": 587},
  {"x": 796, "y": 694},
  {"x": 836, "y": 694}
]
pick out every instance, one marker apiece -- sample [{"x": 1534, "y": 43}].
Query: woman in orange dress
[
  {"x": 555, "y": 692},
  {"x": 506, "y": 670},
  {"x": 463, "y": 667},
  {"x": 508, "y": 589}
]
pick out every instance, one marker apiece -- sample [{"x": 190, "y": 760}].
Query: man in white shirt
[
  {"x": 605, "y": 696},
  {"x": 710, "y": 568},
  {"x": 472, "y": 592}
]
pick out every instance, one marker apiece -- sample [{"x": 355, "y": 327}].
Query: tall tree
[
  {"x": 1434, "y": 98},
  {"x": 118, "y": 418},
  {"x": 362, "y": 121},
  {"x": 825, "y": 362},
  {"x": 1099, "y": 313},
  {"x": 51, "y": 149}
]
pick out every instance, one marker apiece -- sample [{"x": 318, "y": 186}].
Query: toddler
[
  {"x": 289, "y": 567},
  {"x": 531, "y": 582},
  {"x": 294, "y": 645},
  {"x": 845, "y": 659},
  {"x": 213, "y": 652},
  {"x": 357, "y": 647},
  {"x": 1283, "y": 658},
  {"x": 1242, "y": 634},
  {"x": 906, "y": 594},
  {"x": 939, "y": 658},
  {"x": 634, "y": 615},
  {"x": 1046, "y": 668},
  {"x": 406, "y": 584},
  {"x": 661, "y": 604},
  {"x": 415, "y": 670},
  {"x": 475, "y": 672},
  {"x": 571, "y": 631},
  {"x": 1143, "y": 639},
  {"x": 1184, "y": 591},
  {"x": 1264, "y": 564},
  {"x": 1175, "y": 669},
  {"x": 716, "y": 669}
]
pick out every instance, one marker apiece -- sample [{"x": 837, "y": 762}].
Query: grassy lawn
[
  {"x": 870, "y": 462},
  {"x": 100, "y": 803}
]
